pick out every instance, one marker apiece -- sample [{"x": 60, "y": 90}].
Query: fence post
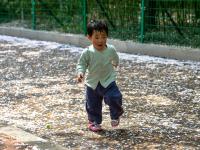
[
  {"x": 33, "y": 15},
  {"x": 85, "y": 16},
  {"x": 142, "y": 22}
]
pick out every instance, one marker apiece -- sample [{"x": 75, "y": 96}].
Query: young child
[{"x": 96, "y": 64}]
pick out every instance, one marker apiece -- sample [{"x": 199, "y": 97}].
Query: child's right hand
[{"x": 80, "y": 77}]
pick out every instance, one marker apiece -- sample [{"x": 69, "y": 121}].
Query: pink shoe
[
  {"x": 93, "y": 126},
  {"x": 114, "y": 123}
]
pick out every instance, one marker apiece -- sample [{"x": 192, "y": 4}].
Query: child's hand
[
  {"x": 80, "y": 77},
  {"x": 115, "y": 66}
]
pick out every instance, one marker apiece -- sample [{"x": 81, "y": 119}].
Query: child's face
[{"x": 98, "y": 40}]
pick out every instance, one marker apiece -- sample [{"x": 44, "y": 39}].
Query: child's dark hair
[{"x": 96, "y": 25}]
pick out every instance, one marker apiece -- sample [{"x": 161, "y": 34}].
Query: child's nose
[{"x": 101, "y": 39}]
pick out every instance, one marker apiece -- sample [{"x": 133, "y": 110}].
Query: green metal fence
[
  {"x": 122, "y": 16},
  {"x": 16, "y": 12},
  {"x": 62, "y": 16},
  {"x": 172, "y": 22}
]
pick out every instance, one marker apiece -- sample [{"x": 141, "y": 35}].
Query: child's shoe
[
  {"x": 93, "y": 126},
  {"x": 114, "y": 122}
]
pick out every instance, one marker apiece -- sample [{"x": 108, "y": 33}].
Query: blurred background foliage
[{"x": 171, "y": 22}]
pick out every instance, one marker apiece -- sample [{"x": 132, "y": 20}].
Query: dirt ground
[
  {"x": 9, "y": 143},
  {"x": 161, "y": 99}
]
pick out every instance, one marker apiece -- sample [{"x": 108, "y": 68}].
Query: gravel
[{"x": 39, "y": 93}]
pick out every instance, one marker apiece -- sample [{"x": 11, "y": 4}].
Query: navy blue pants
[{"x": 112, "y": 97}]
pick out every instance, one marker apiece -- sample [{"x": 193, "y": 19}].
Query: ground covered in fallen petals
[{"x": 39, "y": 93}]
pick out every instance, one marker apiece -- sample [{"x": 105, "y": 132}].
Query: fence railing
[{"x": 172, "y": 22}]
